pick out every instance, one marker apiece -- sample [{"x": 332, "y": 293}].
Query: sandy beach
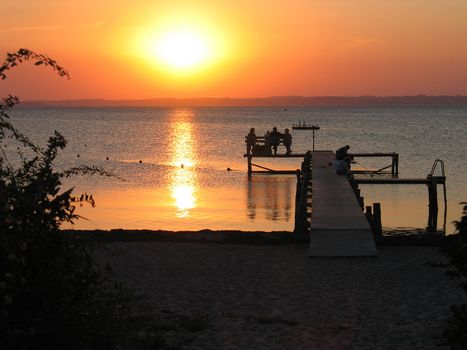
[{"x": 243, "y": 296}]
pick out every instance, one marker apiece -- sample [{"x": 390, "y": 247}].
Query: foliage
[
  {"x": 53, "y": 295},
  {"x": 455, "y": 252}
]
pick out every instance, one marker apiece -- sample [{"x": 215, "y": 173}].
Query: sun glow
[
  {"x": 187, "y": 46},
  {"x": 182, "y": 49}
]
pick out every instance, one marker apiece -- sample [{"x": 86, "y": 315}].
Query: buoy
[
  {"x": 106, "y": 158},
  {"x": 140, "y": 161},
  {"x": 228, "y": 169},
  {"x": 77, "y": 155},
  {"x": 182, "y": 166}
]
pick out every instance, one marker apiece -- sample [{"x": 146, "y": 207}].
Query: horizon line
[
  {"x": 248, "y": 98},
  {"x": 270, "y": 101}
]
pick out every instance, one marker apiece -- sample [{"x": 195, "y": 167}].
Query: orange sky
[{"x": 257, "y": 48}]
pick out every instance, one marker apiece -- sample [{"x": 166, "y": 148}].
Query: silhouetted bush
[
  {"x": 53, "y": 295},
  {"x": 455, "y": 251}
]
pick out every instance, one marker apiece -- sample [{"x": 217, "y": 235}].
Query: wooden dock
[{"x": 338, "y": 224}]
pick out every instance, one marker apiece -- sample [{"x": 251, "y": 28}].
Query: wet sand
[{"x": 239, "y": 296}]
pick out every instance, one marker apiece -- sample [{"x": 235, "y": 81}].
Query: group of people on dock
[{"x": 272, "y": 139}]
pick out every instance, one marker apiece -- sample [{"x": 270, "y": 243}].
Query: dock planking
[{"x": 338, "y": 224}]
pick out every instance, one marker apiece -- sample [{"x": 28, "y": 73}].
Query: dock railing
[
  {"x": 302, "y": 195},
  {"x": 394, "y": 163},
  {"x": 261, "y": 151},
  {"x": 372, "y": 213},
  {"x": 431, "y": 181}
]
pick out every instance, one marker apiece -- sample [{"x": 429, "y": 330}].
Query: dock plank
[{"x": 338, "y": 225}]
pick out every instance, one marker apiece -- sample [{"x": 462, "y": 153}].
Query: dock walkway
[{"x": 338, "y": 224}]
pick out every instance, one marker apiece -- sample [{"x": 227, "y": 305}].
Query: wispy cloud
[{"x": 54, "y": 27}]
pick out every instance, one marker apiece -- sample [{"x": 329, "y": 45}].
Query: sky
[{"x": 123, "y": 49}]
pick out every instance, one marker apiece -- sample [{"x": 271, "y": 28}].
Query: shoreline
[{"x": 393, "y": 237}]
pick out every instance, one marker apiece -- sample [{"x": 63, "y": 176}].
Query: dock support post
[
  {"x": 249, "y": 164},
  {"x": 370, "y": 218},
  {"x": 432, "y": 206},
  {"x": 313, "y": 139},
  {"x": 305, "y": 176},
  {"x": 298, "y": 228},
  {"x": 377, "y": 221},
  {"x": 395, "y": 165},
  {"x": 302, "y": 225}
]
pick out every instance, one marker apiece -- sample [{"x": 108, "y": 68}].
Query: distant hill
[{"x": 274, "y": 101}]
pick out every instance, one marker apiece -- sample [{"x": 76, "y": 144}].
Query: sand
[{"x": 237, "y": 296}]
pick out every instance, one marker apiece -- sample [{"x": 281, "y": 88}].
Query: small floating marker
[
  {"x": 106, "y": 158},
  {"x": 285, "y": 109},
  {"x": 182, "y": 166},
  {"x": 85, "y": 145},
  {"x": 228, "y": 169},
  {"x": 77, "y": 155},
  {"x": 140, "y": 161}
]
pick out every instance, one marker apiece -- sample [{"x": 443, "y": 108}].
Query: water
[{"x": 182, "y": 182}]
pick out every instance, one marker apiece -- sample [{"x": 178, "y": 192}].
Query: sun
[{"x": 181, "y": 50}]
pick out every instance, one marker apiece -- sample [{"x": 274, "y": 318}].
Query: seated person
[
  {"x": 341, "y": 167},
  {"x": 342, "y": 152}
]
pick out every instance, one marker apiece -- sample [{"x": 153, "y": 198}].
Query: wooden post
[
  {"x": 249, "y": 164},
  {"x": 377, "y": 220},
  {"x": 304, "y": 196},
  {"x": 298, "y": 229},
  {"x": 357, "y": 192},
  {"x": 432, "y": 206},
  {"x": 395, "y": 165},
  {"x": 313, "y": 139},
  {"x": 370, "y": 218},
  {"x": 361, "y": 201}
]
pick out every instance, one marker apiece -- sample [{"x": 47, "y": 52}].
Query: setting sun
[{"x": 181, "y": 50}]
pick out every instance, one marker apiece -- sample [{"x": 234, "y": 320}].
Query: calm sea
[{"x": 174, "y": 162}]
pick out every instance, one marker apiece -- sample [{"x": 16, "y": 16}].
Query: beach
[{"x": 269, "y": 296}]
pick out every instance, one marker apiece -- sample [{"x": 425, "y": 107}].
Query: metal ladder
[{"x": 443, "y": 174}]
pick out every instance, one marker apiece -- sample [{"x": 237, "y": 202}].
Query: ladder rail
[{"x": 443, "y": 173}]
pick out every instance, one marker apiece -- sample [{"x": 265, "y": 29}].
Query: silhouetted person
[
  {"x": 287, "y": 141},
  {"x": 342, "y": 155},
  {"x": 275, "y": 139},
  {"x": 267, "y": 142},
  {"x": 250, "y": 141},
  {"x": 342, "y": 167}
]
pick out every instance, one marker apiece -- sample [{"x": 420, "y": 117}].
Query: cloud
[{"x": 55, "y": 27}]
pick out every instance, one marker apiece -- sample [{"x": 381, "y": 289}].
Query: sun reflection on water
[{"x": 183, "y": 179}]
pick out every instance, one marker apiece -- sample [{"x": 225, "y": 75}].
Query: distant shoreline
[{"x": 273, "y": 101}]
